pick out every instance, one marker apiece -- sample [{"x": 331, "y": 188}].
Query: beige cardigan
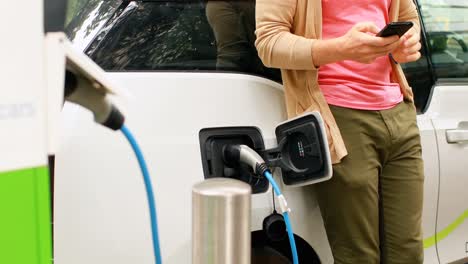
[{"x": 286, "y": 31}]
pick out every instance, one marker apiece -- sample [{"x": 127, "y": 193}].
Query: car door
[{"x": 446, "y": 28}]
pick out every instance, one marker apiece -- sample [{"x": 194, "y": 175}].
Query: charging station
[
  {"x": 33, "y": 63},
  {"x": 25, "y": 222}
]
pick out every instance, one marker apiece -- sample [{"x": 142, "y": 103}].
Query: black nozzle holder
[{"x": 274, "y": 227}]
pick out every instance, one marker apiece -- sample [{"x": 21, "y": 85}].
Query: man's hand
[
  {"x": 409, "y": 47},
  {"x": 360, "y": 43}
]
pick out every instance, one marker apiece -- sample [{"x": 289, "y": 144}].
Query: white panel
[
  {"x": 55, "y": 79},
  {"x": 22, "y": 123}
]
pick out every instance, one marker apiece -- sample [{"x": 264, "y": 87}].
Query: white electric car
[{"x": 176, "y": 80}]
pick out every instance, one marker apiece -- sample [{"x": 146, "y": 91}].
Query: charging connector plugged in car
[{"x": 246, "y": 155}]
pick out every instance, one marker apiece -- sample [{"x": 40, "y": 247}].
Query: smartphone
[{"x": 395, "y": 28}]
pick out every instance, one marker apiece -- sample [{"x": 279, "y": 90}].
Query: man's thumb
[{"x": 367, "y": 27}]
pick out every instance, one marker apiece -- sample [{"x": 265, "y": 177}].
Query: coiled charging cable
[{"x": 242, "y": 153}]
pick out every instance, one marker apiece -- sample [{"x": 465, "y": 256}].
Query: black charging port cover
[{"x": 302, "y": 150}]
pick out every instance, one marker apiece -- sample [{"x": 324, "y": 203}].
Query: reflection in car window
[
  {"x": 85, "y": 18},
  {"x": 181, "y": 35},
  {"x": 446, "y": 23}
]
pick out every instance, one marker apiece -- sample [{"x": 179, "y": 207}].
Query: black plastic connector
[
  {"x": 274, "y": 227},
  {"x": 231, "y": 155},
  {"x": 261, "y": 169},
  {"x": 71, "y": 83},
  {"x": 115, "y": 120}
]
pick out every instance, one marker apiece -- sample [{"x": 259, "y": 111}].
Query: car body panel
[
  {"x": 449, "y": 110},
  {"x": 431, "y": 182},
  {"x": 165, "y": 111}
]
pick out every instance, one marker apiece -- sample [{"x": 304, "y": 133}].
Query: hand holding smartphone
[{"x": 395, "y": 28}]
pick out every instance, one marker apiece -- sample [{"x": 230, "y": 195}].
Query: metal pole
[{"x": 221, "y": 222}]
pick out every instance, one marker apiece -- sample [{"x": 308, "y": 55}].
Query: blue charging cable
[
  {"x": 280, "y": 196},
  {"x": 149, "y": 192},
  {"x": 81, "y": 91},
  {"x": 233, "y": 154}
]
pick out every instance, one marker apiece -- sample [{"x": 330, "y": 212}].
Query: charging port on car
[{"x": 212, "y": 143}]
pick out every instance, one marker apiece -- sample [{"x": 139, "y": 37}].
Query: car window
[
  {"x": 420, "y": 78},
  {"x": 192, "y": 35},
  {"x": 446, "y": 23},
  {"x": 85, "y": 18}
]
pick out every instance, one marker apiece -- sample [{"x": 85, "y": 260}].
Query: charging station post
[{"x": 221, "y": 222}]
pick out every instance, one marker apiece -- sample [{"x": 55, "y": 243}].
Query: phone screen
[{"x": 395, "y": 28}]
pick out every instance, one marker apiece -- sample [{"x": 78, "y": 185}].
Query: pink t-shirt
[{"x": 352, "y": 84}]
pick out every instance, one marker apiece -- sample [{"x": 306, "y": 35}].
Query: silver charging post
[{"x": 221, "y": 222}]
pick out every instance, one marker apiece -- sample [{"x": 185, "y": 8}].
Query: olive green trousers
[{"x": 372, "y": 206}]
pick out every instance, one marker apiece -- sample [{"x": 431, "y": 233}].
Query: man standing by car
[{"x": 332, "y": 62}]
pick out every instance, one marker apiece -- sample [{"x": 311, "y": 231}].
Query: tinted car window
[
  {"x": 420, "y": 78},
  {"x": 446, "y": 23},
  {"x": 86, "y": 17},
  {"x": 181, "y": 35}
]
